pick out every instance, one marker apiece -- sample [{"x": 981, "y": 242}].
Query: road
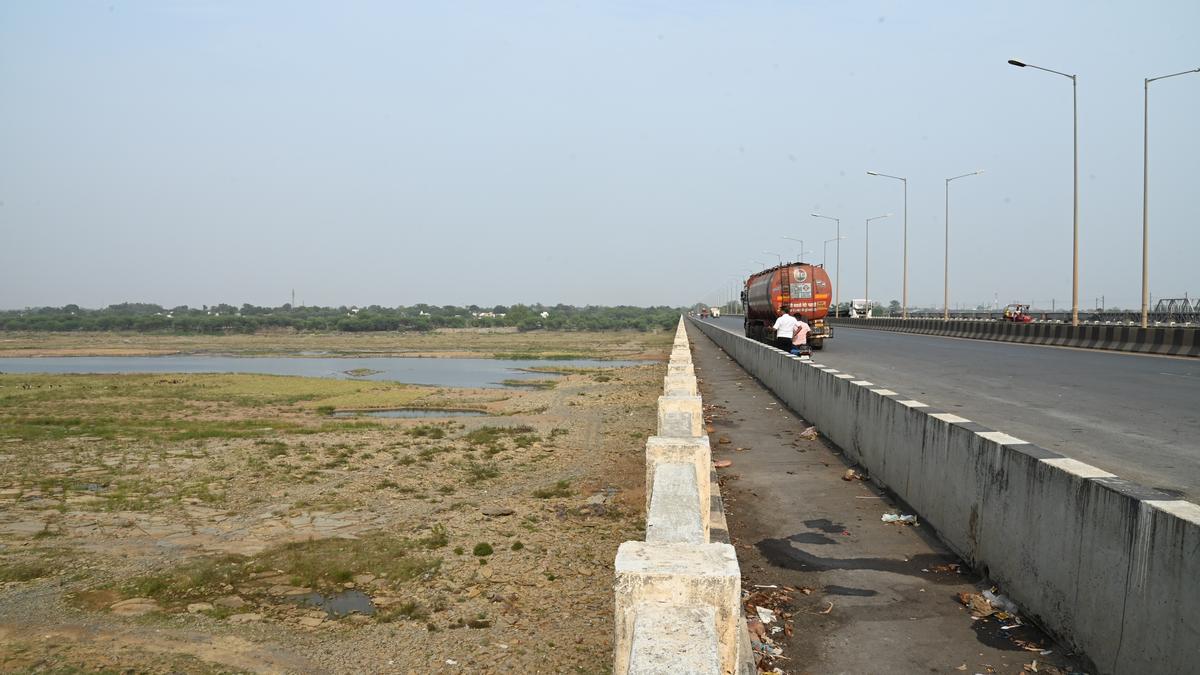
[
  {"x": 879, "y": 597},
  {"x": 1135, "y": 415}
]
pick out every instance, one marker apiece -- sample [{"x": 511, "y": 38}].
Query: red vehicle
[
  {"x": 798, "y": 287},
  {"x": 1017, "y": 313}
]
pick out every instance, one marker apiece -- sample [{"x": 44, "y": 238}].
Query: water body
[
  {"x": 488, "y": 373},
  {"x": 338, "y": 605}
]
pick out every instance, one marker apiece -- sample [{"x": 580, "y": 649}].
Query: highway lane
[{"x": 1135, "y": 415}]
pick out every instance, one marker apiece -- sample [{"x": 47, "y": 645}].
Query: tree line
[{"x": 224, "y": 318}]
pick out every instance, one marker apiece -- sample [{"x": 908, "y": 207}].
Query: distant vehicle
[
  {"x": 799, "y": 287},
  {"x": 859, "y": 309},
  {"x": 1017, "y": 313},
  {"x": 704, "y": 313},
  {"x": 716, "y": 312}
]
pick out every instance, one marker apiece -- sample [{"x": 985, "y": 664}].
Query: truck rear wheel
[{"x": 817, "y": 344}]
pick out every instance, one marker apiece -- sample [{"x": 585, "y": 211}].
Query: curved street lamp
[
  {"x": 802, "y": 251},
  {"x": 1075, "y": 142},
  {"x": 1146, "y": 192},
  {"x": 946, "y": 270},
  {"x": 837, "y": 283},
  {"x": 904, "y": 264},
  {"x": 867, "y": 263}
]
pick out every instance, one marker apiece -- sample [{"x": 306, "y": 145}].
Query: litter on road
[{"x": 897, "y": 518}]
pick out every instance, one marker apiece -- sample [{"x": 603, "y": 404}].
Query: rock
[
  {"x": 230, "y": 602},
  {"x": 197, "y": 607},
  {"x": 493, "y": 511},
  {"x": 597, "y": 499},
  {"x": 249, "y": 617},
  {"x": 134, "y": 607},
  {"x": 358, "y": 619},
  {"x": 363, "y": 578},
  {"x": 311, "y": 621}
]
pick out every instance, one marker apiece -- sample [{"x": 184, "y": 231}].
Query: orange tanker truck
[{"x": 797, "y": 287}]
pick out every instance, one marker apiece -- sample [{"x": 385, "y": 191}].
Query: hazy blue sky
[{"x": 583, "y": 152}]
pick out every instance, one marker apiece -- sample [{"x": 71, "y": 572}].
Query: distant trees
[{"x": 225, "y": 318}]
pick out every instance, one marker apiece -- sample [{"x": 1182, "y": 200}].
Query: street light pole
[
  {"x": 867, "y": 264},
  {"x": 904, "y": 292},
  {"x": 1075, "y": 224},
  {"x": 946, "y": 270},
  {"x": 837, "y": 283},
  {"x": 1146, "y": 192},
  {"x": 802, "y": 251}
]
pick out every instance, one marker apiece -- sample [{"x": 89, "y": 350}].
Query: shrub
[{"x": 560, "y": 489}]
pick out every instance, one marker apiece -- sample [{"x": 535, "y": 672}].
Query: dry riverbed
[
  {"x": 229, "y": 523},
  {"x": 434, "y": 344}
]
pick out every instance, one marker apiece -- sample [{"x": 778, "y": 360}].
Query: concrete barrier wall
[
  {"x": 1171, "y": 340},
  {"x": 678, "y": 593},
  {"x": 1104, "y": 564}
]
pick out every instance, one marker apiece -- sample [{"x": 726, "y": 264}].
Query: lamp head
[
  {"x": 872, "y": 173},
  {"x": 1014, "y": 62}
]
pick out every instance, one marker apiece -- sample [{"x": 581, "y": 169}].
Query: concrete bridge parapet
[{"x": 678, "y": 593}]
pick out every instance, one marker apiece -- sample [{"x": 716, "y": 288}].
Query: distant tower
[{"x": 293, "y": 298}]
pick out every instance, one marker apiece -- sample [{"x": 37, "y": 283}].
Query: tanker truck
[{"x": 796, "y": 287}]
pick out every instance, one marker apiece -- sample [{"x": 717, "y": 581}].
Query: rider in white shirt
[{"x": 785, "y": 328}]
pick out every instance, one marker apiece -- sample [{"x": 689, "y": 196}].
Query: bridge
[{"x": 1067, "y": 477}]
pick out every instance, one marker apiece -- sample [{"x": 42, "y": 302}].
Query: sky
[{"x": 622, "y": 152}]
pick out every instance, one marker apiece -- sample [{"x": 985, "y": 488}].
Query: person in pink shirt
[{"x": 800, "y": 337}]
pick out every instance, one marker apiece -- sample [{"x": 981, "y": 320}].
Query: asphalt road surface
[{"x": 1135, "y": 415}]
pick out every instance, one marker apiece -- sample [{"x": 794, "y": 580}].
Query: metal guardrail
[{"x": 1087, "y": 316}]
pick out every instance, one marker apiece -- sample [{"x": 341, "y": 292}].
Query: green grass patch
[
  {"x": 177, "y": 407},
  {"x": 530, "y": 384},
  {"x": 321, "y": 564},
  {"x": 432, "y": 431},
  {"x": 324, "y": 563},
  {"x": 490, "y": 435},
  {"x": 541, "y": 356},
  {"x": 23, "y": 571},
  {"x": 477, "y": 472},
  {"x": 560, "y": 489},
  {"x": 410, "y": 610}
]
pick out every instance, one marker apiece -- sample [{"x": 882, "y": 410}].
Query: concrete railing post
[
  {"x": 678, "y": 595},
  {"x": 651, "y": 576}
]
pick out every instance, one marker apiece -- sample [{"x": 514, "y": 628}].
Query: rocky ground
[{"x": 210, "y": 523}]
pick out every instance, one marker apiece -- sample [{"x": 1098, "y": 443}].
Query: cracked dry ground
[{"x": 196, "y": 523}]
